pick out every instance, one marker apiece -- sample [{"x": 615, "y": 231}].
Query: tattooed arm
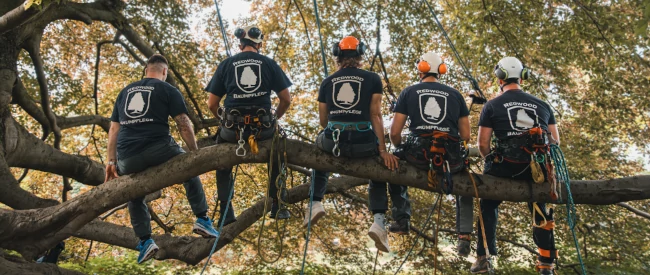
[{"x": 187, "y": 131}]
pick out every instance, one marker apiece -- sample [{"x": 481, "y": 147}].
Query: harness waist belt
[{"x": 350, "y": 126}]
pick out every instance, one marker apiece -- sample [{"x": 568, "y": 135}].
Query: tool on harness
[
  {"x": 240, "y": 151},
  {"x": 440, "y": 153},
  {"x": 536, "y": 170},
  {"x": 241, "y": 118},
  {"x": 448, "y": 183}
]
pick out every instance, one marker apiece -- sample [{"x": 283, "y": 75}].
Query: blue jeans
[
  {"x": 156, "y": 154},
  {"x": 377, "y": 198}
]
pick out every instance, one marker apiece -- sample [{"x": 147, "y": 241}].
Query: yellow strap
[
  {"x": 433, "y": 180},
  {"x": 538, "y": 210},
  {"x": 538, "y": 175},
  {"x": 253, "y": 144}
]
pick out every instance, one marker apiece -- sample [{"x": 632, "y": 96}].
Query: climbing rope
[
  {"x": 426, "y": 223},
  {"x": 222, "y": 219},
  {"x": 480, "y": 99},
  {"x": 320, "y": 36},
  {"x": 282, "y": 176},
  {"x": 311, "y": 200},
  {"x": 223, "y": 30},
  {"x": 480, "y": 218},
  {"x": 562, "y": 175}
]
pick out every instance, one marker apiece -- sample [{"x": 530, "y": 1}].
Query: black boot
[
  {"x": 230, "y": 216},
  {"x": 401, "y": 227}
]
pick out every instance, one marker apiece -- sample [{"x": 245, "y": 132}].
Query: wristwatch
[{"x": 111, "y": 162}]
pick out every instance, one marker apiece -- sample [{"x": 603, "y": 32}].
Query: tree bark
[{"x": 10, "y": 265}]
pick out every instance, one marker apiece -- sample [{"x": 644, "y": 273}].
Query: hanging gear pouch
[
  {"x": 435, "y": 148},
  {"x": 352, "y": 144}
]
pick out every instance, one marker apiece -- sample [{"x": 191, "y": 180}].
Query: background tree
[{"x": 62, "y": 64}]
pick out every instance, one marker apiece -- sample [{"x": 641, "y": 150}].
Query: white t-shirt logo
[
  {"x": 522, "y": 118},
  {"x": 433, "y": 108},
  {"x": 137, "y": 103},
  {"x": 345, "y": 94},
  {"x": 248, "y": 77}
]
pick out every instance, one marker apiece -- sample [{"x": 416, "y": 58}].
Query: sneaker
[
  {"x": 147, "y": 249},
  {"x": 281, "y": 214},
  {"x": 480, "y": 266},
  {"x": 401, "y": 227},
  {"x": 544, "y": 268},
  {"x": 380, "y": 236},
  {"x": 204, "y": 228},
  {"x": 230, "y": 216},
  {"x": 317, "y": 212},
  {"x": 463, "y": 248}
]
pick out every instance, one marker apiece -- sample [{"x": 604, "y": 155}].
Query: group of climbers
[{"x": 350, "y": 114}]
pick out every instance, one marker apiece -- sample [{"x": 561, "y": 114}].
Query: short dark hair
[
  {"x": 157, "y": 59},
  {"x": 247, "y": 42}
]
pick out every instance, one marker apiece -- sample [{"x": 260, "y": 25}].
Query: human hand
[
  {"x": 390, "y": 160},
  {"x": 111, "y": 172}
]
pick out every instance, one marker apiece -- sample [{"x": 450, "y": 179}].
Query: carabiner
[{"x": 240, "y": 148}]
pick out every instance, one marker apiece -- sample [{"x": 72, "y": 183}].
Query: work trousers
[
  {"x": 543, "y": 237},
  {"x": 225, "y": 182},
  {"x": 156, "y": 154},
  {"x": 378, "y": 199}
]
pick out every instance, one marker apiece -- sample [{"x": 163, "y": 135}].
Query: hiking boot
[
  {"x": 463, "y": 248},
  {"x": 147, "y": 249},
  {"x": 380, "y": 236},
  {"x": 544, "y": 268},
  {"x": 203, "y": 227},
  {"x": 317, "y": 212},
  {"x": 401, "y": 227},
  {"x": 480, "y": 266}
]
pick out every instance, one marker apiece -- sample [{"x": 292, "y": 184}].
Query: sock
[
  {"x": 145, "y": 237},
  {"x": 203, "y": 215},
  {"x": 380, "y": 219}
]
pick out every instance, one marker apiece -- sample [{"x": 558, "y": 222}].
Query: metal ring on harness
[
  {"x": 437, "y": 163},
  {"x": 336, "y": 151}
]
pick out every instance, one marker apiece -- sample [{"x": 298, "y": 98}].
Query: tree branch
[
  {"x": 634, "y": 210},
  {"x": 16, "y": 17}
]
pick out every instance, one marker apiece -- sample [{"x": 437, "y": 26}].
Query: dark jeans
[
  {"x": 544, "y": 238},
  {"x": 378, "y": 199},
  {"x": 156, "y": 154},
  {"x": 224, "y": 176}
]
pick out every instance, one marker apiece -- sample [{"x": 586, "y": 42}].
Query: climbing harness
[
  {"x": 278, "y": 137},
  {"x": 338, "y": 127},
  {"x": 222, "y": 219},
  {"x": 426, "y": 223},
  {"x": 476, "y": 99},
  {"x": 480, "y": 217},
  {"x": 562, "y": 175},
  {"x": 241, "y": 118}
]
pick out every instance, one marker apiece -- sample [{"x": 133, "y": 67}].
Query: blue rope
[
  {"x": 311, "y": 200},
  {"x": 223, "y": 30},
  {"x": 322, "y": 49},
  {"x": 223, "y": 219},
  {"x": 562, "y": 175}
]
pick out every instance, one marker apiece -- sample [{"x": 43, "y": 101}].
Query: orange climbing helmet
[{"x": 350, "y": 46}]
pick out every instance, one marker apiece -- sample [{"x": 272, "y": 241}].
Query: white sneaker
[
  {"x": 380, "y": 236},
  {"x": 317, "y": 212}
]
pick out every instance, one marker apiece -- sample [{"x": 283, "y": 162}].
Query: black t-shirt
[
  {"x": 143, "y": 109},
  {"x": 514, "y": 113},
  {"x": 348, "y": 93},
  {"x": 432, "y": 106},
  {"x": 247, "y": 79}
]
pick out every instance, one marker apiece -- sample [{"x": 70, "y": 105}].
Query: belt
[{"x": 361, "y": 126}]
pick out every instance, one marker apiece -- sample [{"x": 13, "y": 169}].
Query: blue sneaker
[
  {"x": 205, "y": 228},
  {"x": 147, "y": 249}
]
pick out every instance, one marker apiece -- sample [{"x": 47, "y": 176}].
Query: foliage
[{"x": 126, "y": 264}]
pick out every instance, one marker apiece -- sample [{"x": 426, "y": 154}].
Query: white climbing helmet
[
  {"x": 510, "y": 67},
  {"x": 431, "y": 63}
]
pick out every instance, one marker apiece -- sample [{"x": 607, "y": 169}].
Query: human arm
[
  {"x": 484, "y": 136},
  {"x": 213, "y": 104},
  {"x": 555, "y": 134},
  {"x": 187, "y": 131},
  {"x": 463, "y": 128},
  {"x": 322, "y": 114},
  {"x": 399, "y": 120},
  {"x": 377, "y": 122},
  {"x": 111, "y": 170},
  {"x": 285, "y": 102}
]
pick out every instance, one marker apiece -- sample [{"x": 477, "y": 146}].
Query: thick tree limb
[
  {"x": 11, "y": 265},
  {"x": 16, "y": 17},
  {"x": 71, "y": 122},
  {"x": 634, "y": 210},
  {"x": 194, "y": 249},
  {"x": 27, "y": 151},
  {"x": 58, "y": 222}
]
